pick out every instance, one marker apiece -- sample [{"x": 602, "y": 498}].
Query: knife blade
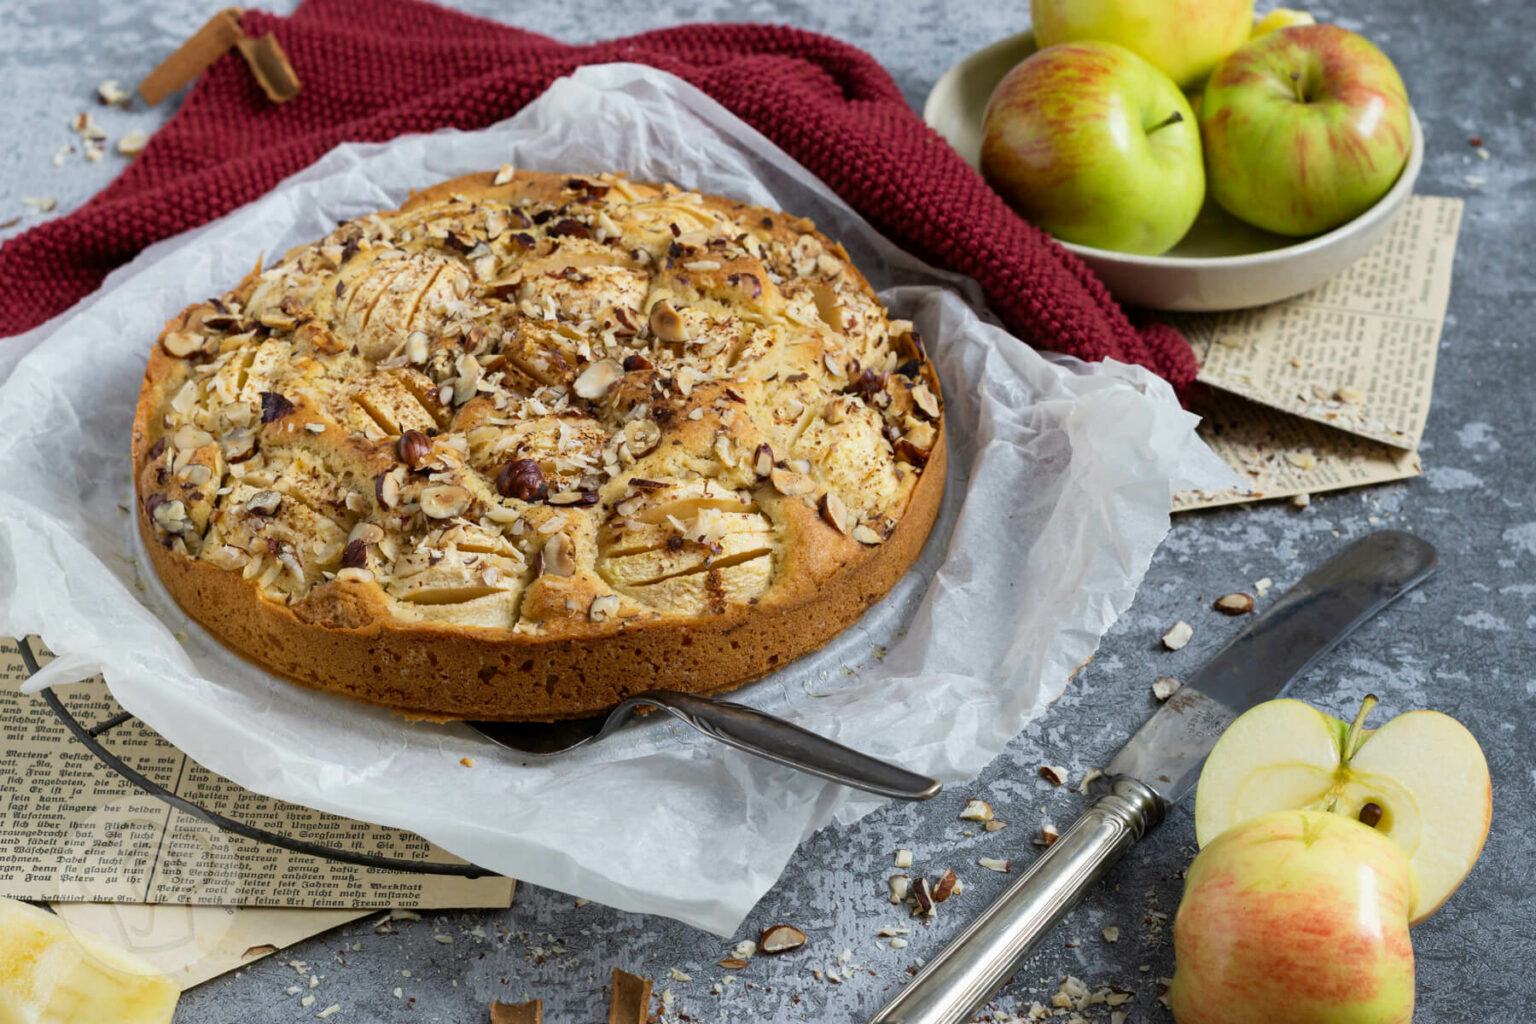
[{"x": 1160, "y": 765}]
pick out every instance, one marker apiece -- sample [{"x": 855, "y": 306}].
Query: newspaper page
[
  {"x": 1333, "y": 387},
  {"x": 75, "y": 830}
]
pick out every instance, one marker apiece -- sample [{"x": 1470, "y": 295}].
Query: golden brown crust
[{"x": 295, "y": 524}]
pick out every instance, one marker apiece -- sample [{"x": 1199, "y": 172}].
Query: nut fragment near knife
[{"x": 1159, "y": 766}]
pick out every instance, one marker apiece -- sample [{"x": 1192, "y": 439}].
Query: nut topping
[
  {"x": 445, "y": 501},
  {"x": 387, "y": 489},
  {"x": 791, "y": 484},
  {"x": 263, "y": 503},
  {"x": 926, "y": 401},
  {"x": 413, "y": 448},
  {"x": 522, "y": 479},
  {"x": 641, "y": 436},
  {"x": 781, "y": 938},
  {"x": 182, "y": 344},
  {"x": 171, "y": 516},
  {"x": 762, "y": 461},
  {"x": 558, "y": 559},
  {"x": 864, "y": 535},
  {"x": 666, "y": 324},
  {"x": 595, "y": 379},
  {"x": 355, "y": 556},
  {"x": 603, "y": 608},
  {"x": 834, "y": 512}
]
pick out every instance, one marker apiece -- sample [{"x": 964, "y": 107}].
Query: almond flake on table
[{"x": 1178, "y": 635}]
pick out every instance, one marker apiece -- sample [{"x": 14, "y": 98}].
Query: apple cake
[{"x": 533, "y": 443}]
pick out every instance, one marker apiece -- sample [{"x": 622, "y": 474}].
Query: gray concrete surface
[{"x": 1462, "y": 643}]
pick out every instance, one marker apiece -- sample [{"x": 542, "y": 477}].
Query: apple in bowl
[
  {"x": 1093, "y": 144},
  {"x": 1182, "y": 38},
  {"x": 1304, "y": 128}
]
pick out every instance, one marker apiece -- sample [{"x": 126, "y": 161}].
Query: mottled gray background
[{"x": 1462, "y": 643}]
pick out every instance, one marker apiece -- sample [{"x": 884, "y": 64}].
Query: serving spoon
[{"x": 737, "y": 725}]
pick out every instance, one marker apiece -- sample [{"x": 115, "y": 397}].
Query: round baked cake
[{"x": 533, "y": 443}]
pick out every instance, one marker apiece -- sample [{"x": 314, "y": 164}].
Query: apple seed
[{"x": 1370, "y": 815}]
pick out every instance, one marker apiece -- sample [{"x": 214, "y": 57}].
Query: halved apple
[{"x": 1421, "y": 779}]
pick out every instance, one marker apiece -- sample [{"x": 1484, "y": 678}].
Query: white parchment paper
[{"x": 1058, "y": 493}]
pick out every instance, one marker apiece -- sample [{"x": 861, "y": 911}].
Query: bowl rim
[{"x": 1382, "y": 208}]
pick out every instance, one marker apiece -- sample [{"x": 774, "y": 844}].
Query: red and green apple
[
  {"x": 1420, "y": 780},
  {"x": 1096, "y": 146},
  {"x": 1304, "y": 128},
  {"x": 1295, "y": 917}
]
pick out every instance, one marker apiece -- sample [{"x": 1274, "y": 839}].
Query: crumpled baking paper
[{"x": 1060, "y": 474}]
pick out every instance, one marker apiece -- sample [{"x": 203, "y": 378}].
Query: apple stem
[
  {"x": 1301, "y": 97},
  {"x": 1173, "y": 118},
  {"x": 1356, "y": 734}
]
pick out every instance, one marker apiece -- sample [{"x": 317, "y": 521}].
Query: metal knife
[{"x": 1159, "y": 766}]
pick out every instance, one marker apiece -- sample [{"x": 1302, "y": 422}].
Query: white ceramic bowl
[{"x": 1222, "y": 263}]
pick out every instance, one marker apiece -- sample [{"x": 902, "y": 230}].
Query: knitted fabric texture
[{"x": 374, "y": 69}]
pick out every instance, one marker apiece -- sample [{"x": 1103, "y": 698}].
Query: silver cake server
[
  {"x": 744, "y": 728},
  {"x": 1159, "y": 766}
]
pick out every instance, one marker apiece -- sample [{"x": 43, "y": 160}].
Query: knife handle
[{"x": 982, "y": 958}]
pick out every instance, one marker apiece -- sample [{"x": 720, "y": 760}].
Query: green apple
[
  {"x": 1281, "y": 17},
  {"x": 1096, "y": 146},
  {"x": 1184, "y": 39},
  {"x": 1295, "y": 917},
  {"x": 1420, "y": 780},
  {"x": 1304, "y": 128}
]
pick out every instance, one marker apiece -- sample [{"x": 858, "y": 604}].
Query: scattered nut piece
[
  {"x": 924, "y": 897},
  {"x": 1302, "y": 460},
  {"x": 781, "y": 938},
  {"x": 995, "y": 825},
  {"x": 897, "y": 942},
  {"x": 1054, "y": 774},
  {"x": 1089, "y": 777},
  {"x": 504, "y": 175},
  {"x": 903, "y": 858},
  {"x": 133, "y": 143},
  {"x": 1261, "y": 587},
  {"x": 1349, "y": 395},
  {"x": 678, "y": 975},
  {"x": 994, "y": 864},
  {"x": 976, "y": 810},
  {"x": 900, "y": 887},
  {"x": 1301, "y": 500},
  {"x": 47, "y": 204},
  {"x": 1048, "y": 835},
  {"x": 467, "y": 762},
  {"x": 1164, "y": 687},
  {"x": 1111, "y": 934},
  {"x": 1234, "y": 604},
  {"x": 945, "y": 886},
  {"x": 732, "y": 963},
  {"x": 1178, "y": 635},
  {"x": 109, "y": 92}
]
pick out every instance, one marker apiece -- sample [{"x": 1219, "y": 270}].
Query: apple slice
[{"x": 1421, "y": 779}]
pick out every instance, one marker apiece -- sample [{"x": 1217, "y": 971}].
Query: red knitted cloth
[{"x": 374, "y": 69}]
